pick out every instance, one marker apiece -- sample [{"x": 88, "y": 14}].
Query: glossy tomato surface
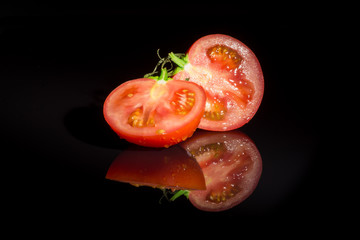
[
  {"x": 232, "y": 77},
  {"x": 232, "y": 167},
  {"x": 155, "y": 113},
  {"x": 157, "y": 167}
]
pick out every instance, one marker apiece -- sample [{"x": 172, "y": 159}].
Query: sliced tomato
[
  {"x": 169, "y": 168},
  {"x": 232, "y": 78},
  {"x": 155, "y": 113},
  {"x": 231, "y": 164}
]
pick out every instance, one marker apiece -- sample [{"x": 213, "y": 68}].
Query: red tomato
[
  {"x": 155, "y": 113},
  {"x": 232, "y": 78},
  {"x": 231, "y": 165},
  {"x": 162, "y": 168}
]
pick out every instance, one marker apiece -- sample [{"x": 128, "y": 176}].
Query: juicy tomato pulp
[
  {"x": 155, "y": 113},
  {"x": 162, "y": 168},
  {"x": 231, "y": 165},
  {"x": 232, "y": 78}
]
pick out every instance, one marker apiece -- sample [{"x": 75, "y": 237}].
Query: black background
[{"x": 59, "y": 62}]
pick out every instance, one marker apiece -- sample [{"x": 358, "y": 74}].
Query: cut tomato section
[
  {"x": 155, "y": 113},
  {"x": 169, "y": 168},
  {"x": 232, "y": 77},
  {"x": 232, "y": 167}
]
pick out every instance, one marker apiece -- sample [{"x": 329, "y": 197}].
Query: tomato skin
[
  {"x": 237, "y": 87},
  {"x": 156, "y": 124},
  {"x": 232, "y": 167}
]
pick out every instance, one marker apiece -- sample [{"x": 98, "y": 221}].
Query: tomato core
[
  {"x": 182, "y": 102},
  {"x": 158, "y": 90}
]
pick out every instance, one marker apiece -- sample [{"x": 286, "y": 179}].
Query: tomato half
[
  {"x": 157, "y": 167},
  {"x": 155, "y": 113},
  {"x": 232, "y": 167},
  {"x": 232, "y": 78}
]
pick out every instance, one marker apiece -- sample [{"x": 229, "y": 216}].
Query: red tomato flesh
[
  {"x": 169, "y": 168},
  {"x": 231, "y": 165},
  {"x": 155, "y": 113},
  {"x": 232, "y": 78}
]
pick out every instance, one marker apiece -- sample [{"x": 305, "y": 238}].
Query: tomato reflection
[
  {"x": 169, "y": 168},
  {"x": 221, "y": 169},
  {"x": 231, "y": 164}
]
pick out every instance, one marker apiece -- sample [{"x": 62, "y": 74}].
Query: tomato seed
[{"x": 227, "y": 57}]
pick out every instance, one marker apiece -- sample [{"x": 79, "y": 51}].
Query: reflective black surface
[{"x": 58, "y": 65}]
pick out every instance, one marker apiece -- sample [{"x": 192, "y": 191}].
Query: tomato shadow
[{"x": 88, "y": 125}]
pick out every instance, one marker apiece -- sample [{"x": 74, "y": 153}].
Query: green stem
[
  {"x": 178, "y": 61},
  {"x": 180, "y": 193},
  {"x": 163, "y": 74}
]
